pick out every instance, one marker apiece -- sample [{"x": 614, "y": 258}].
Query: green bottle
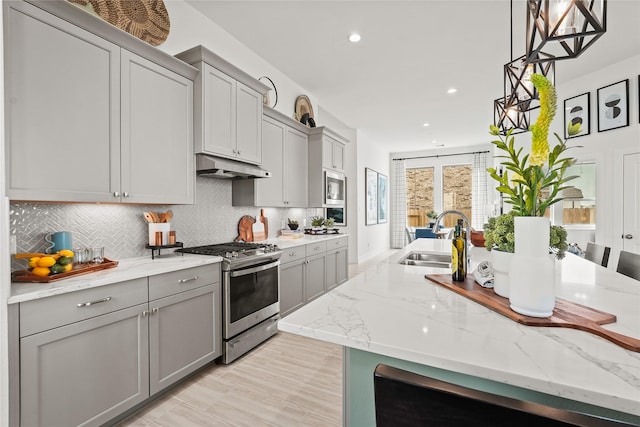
[{"x": 458, "y": 256}]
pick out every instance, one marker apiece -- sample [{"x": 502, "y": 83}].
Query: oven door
[{"x": 251, "y": 295}]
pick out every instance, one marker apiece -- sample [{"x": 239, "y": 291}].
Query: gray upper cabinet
[
  {"x": 227, "y": 108},
  {"x": 285, "y": 156},
  {"x": 88, "y": 121},
  {"x": 157, "y": 161},
  {"x": 326, "y": 153}
]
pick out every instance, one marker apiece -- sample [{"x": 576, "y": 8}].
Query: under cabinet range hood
[{"x": 217, "y": 167}]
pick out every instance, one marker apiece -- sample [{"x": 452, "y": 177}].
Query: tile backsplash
[{"x": 122, "y": 230}]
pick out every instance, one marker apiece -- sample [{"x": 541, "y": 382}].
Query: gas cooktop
[{"x": 236, "y": 254}]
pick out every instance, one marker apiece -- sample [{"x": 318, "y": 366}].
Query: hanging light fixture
[
  {"x": 518, "y": 88},
  {"x": 510, "y": 117},
  {"x": 563, "y": 29}
]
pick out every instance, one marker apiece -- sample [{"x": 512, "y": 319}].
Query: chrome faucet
[
  {"x": 451, "y": 211},
  {"x": 464, "y": 218}
]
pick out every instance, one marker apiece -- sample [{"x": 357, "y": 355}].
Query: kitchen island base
[{"x": 359, "y": 403}]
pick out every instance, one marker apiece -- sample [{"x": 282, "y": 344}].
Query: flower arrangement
[
  {"x": 537, "y": 178},
  {"x": 499, "y": 233},
  {"x": 533, "y": 182}
]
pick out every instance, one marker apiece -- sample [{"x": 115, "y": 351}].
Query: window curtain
[
  {"x": 479, "y": 191},
  {"x": 399, "y": 205}
]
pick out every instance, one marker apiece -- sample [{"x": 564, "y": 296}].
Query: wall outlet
[{"x": 13, "y": 244}]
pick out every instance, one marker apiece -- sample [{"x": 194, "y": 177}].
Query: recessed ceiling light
[
  {"x": 434, "y": 142},
  {"x": 425, "y": 124},
  {"x": 354, "y": 38},
  {"x": 452, "y": 90}
]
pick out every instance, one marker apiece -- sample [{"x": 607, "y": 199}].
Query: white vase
[
  {"x": 532, "y": 272},
  {"x": 501, "y": 263}
]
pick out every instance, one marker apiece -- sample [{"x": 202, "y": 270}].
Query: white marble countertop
[
  {"x": 392, "y": 310},
  {"x": 127, "y": 269},
  {"x": 284, "y": 243}
]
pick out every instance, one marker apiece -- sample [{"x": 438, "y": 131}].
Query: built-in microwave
[{"x": 335, "y": 188}]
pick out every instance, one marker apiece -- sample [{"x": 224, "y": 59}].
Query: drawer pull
[
  {"x": 89, "y": 303},
  {"x": 145, "y": 313},
  {"x": 188, "y": 280},
  {"x": 292, "y": 254},
  {"x": 154, "y": 310}
]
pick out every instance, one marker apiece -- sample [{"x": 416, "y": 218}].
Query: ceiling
[{"x": 396, "y": 78}]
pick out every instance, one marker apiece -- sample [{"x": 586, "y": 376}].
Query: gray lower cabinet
[
  {"x": 337, "y": 262},
  {"x": 308, "y": 271},
  {"x": 315, "y": 277},
  {"x": 184, "y": 334},
  {"x": 88, "y": 356},
  {"x": 88, "y": 371},
  {"x": 292, "y": 278}
]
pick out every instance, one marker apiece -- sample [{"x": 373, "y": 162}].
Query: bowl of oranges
[{"x": 49, "y": 264}]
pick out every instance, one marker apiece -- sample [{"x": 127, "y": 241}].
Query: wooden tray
[
  {"x": 27, "y": 276},
  {"x": 566, "y": 314}
]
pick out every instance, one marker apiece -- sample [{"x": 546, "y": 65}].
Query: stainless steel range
[{"x": 250, "y": 293}]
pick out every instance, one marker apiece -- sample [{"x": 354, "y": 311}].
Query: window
[
  {"x": 419, "y": 184},
  {"x": 579, "y": 204},
  {"x": 456, "y": 191}
]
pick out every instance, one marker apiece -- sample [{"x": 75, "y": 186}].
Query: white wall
[{"x": 372, "y": 239}]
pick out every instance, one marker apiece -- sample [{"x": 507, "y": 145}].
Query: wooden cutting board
[{"x": 566, "y": 314}]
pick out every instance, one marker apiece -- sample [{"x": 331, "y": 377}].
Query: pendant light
[
  {"x": 563, "y": 29},
  {"x": 518, "y": 87},
  {"x": 508, "y": 116}
]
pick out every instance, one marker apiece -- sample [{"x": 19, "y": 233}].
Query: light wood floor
[{"x": 287, "y": 381}]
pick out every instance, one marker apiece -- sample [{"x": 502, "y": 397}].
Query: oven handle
[{"x": 264, "y": 267}]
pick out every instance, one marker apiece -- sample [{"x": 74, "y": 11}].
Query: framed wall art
[
  {"x": 382, "y": 198},
  {"x": 578, "y": 110},
  {"x": 613, "y": 106},
  {"x": 371, "y": 196}
]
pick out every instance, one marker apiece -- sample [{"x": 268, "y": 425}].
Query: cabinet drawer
[
  {"x": 163, "y": 285},
  {"x": 292, "y": 254},
  {"x": 340, "y": 242},
  {"x": 316, "y": 248},
  {"x": 48, "y": 313}
]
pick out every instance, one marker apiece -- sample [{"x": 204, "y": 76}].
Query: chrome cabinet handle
[
  {"x": 145, "y": 313},
  {"x": 627, "y": 236},
  {"x": 125, "y": 194},
  {"x": 89, "y": 303},
  {"x": 116, "y": 194},
  {"x": 188, "y": 280},
  {"x": 154, "y": 310}
]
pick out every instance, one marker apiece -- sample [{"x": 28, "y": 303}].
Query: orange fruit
[
  {"x": 46, "y": 261},
  {"x": 41, "y": 271},
  {"x": 66, "y": 252},
  {"x": 33, "y": 262},
  {"x": 68, "y": 267}
]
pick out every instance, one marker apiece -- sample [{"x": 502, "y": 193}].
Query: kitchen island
[{"x": 391, "y": 314}]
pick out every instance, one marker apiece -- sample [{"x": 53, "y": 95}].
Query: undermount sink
[{"x": 427, "y": 259}]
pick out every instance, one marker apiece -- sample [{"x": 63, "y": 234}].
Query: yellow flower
[{"x": 540, "y": 129}]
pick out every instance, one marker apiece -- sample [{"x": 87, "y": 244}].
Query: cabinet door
[
  {"x": 248, "y": 124},
  {"x": 295, "y": 169},
  {"x": 184, "y": 334},
  {"x": 219, "y": 116},
  {"x": 338, "y": 156},
  {"x": 63, "y": 106},
  {"x": 157, "y": 143},
  {"x": 87, "y": 372},
  {"x": 342, "y": 266},
  {"x": 332, "y": 269},
  {"x": 269, "y": 192},
  {"x": 315, "y": 277},
  {"x": 292, "y": 277},
  {"x": 327, "y": 153}
]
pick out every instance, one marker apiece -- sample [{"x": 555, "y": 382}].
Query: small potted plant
[
  {"x": 317, "y": 222},
  {"x": 292, "y": 223},
  {"x": 432, "y": 215},
  {"x": 329, "y": 222}
]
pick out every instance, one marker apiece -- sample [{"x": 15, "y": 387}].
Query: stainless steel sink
[{"x": 427, "y": 259}]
